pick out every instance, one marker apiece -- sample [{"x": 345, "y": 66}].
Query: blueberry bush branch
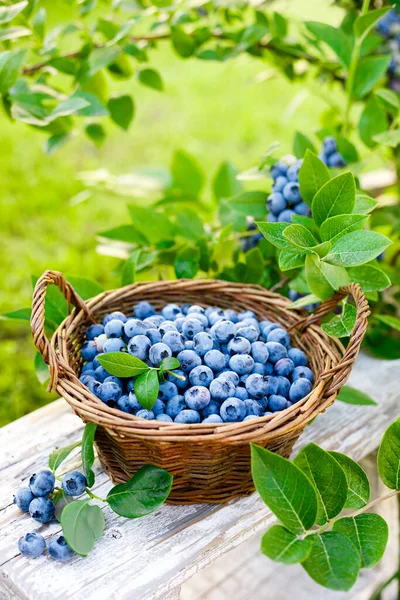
[{"x": 313, "y": 490}]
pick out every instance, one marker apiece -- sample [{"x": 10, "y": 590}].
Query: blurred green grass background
[{"x": 214, "y": 111}]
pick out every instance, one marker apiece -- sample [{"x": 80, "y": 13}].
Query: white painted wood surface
[{"x": 150, "y": 558}]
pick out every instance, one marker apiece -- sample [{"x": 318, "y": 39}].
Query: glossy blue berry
[
  {"x": 239, "y": 345},
  {"x": 302, "y": 372},
  {"x": 271, "y": 218},
  {"x": 197, "y": 397},
  {"x": 101, "y": 374},
  {"x": 175, "y": 405},
  {"x": 291, "y": 192},
  {"x": 293, "y": 171},
  {"x": 241, "y": 363},
  {"x": 42, "y": 483},
  {"x": 201, "y": 375},
  {"x": 283, "y": 386},
  {"x": 259, "y": 352},
  {"x": 143, "y": 310},
  {"x": 188, "y": 360},
  {"x": 154, "y": 336},
  {"x": 163, "y": 417},
  {"x": 273, "y": 385},
  {"x": 223, "y": 331},
  {"x": 41, "y": 509},
  {"x": 215, "y": 316},
  {"x": 249, "y": 332},
  {"x": 216, "y": 360},
  {"x": 59, "y": 549},
  {"x": 191, "y": 327},
  {"x": 87, "y": 367},
  {"x": 93, "y": 331},
  {"x": 167, "y": 326},
  {"x": 170, "y": 311},
  {"x": 134, "y": 327},
  {"x": 286, "y": 216},
  {"x": 279, "y": 184},
  {"x": 188, "y": 416},
  {"x": 213, "y": 418},
  {"x": 266, "y": 327},
  {"x": 158, "y": 352},
  {"x": 276, "y": 203},
  {"x": 253, "y": 408},
  {"x": 109, "y": 392},
  {"x": 203, "y": 342},
  {"x": 298, "y": 357},
  {"x": 74, "y": 483},
  {"x": 279, "y": 335},
  {"x": 174, "y": 340},
  {"x": 114, "y": 315},
  {"x": 114, "y": 345},
  {"x": 32, "y": 545},
  {"x": 233, "y": 410},
  {"x": 284, "y": 367},
  {"x": 299, "y": 389},
  {"x": 130, "y": 385},
  {"x": 158, "y": 407},
  {"x": 139, "y": 346},
  {"x": 23, "y": 497},
  {"x": 241, "y": 393},
  {"x": 221, "y": 388},
  {"x": 89, "y": 351},
  {"x": 257, "y": 385},
  {"x": 189, "y": 345},
  {"x": 276, "y": 403},
  {"x": 114, "y": 328},
  {"x": 114, "y": 379},
  {"x": 167, "y": 390},
  {"x": 231, "y": 375},
  {"x": 145, "y": 414},
  {"x": 276, "y": 351},
  {"x": 301, "y": 208}
]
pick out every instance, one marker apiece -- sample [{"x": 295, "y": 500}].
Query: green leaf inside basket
[{"x": 122, "y": 364}]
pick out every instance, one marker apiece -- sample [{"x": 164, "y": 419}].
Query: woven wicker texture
[{"x": 209, "y": 462}]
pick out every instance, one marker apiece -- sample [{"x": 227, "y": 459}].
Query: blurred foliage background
[{"x": 216, "y": 111}]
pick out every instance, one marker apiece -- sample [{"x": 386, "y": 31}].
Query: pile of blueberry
[
  {"x": 232, "y": 366},
  {"x": 389, "y": 28},
  {"x": 38, "y": 500}
]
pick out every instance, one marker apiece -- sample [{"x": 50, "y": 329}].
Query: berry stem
[
  {"x": 93, "y": 496},
  {"x": 175, "y": 375}
]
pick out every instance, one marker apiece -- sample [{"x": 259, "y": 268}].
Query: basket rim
[{"x": 296, "y": 416}]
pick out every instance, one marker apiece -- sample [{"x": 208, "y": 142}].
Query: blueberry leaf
[
  {"x": 273, "y": 232},
  {"x": 169, "y": 363},
  {"x": 122, "y": 364},
  {"x": 283, "y": 546},
  {"x": 369, "y": 534},
  {"x": 357, "y": 248},
  {"x": 341, "y": 325},
  {"x": 336, "y": 197},
  {"x": 313, "y": 175},
  {"x": 350, "y": 395},
  {"x": 389, "y": 457},
  {"x": 358, "y": 487},
  {"x": 82, "y": 525},
  {"x": 146, "y": 388},
  {"x": 87, "y": 452},
  {"x": 144, "y": 493},
  {"x": 60, "y": 454}
]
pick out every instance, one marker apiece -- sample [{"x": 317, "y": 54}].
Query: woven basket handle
[
  {"x": 38, "y": 320},
  {"x": 342, "y": 369}
]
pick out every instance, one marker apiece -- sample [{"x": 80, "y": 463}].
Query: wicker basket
[{"x": 210, "y": 463}]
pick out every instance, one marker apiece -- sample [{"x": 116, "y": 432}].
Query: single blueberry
[
  {"x": 87, "y": 377},
  {"x": 284, "y": 367},
  {"x": 203, "y": 342},
  {"x": 247, "y": 331},
  {"x": 158, "y": 407},
  {"x": 158, "y": 352},
  {"x": 253, "y": 408},
  {"x": 143, "y": 310},
  {"x": 130, "y": 385},
  {"x": 174, "y": 340},
  {"x": 221, "y": 388},
  {"x": 293, "y": 171},
  {"x": 191, "y": 327},
  {"x": 114, "y": 345},
  {"x": 257, "y": 385},
  {"x": 170, "y": 311},
  {"x": 279, "y": 184},
  {"x": 298, "y": 357},
  {"x": 87, "y": 367},
  {"x": 273, "y": 385},
  {"x": 74, "y": 483},
  {"x": 89, "y": 351},
  {"x": 266, "y": 327},
  {"x": 201, "y": 375},
  {"x": 301, "y": 208},
  {"x": 114, "y": 328},
  {"x": 113, "y": 379},
  {"x": 199, "y": 317},
  {"x": 100, "y": 341},
  {"x": 241, "y": 363},
  {"x": 178, "y": 322},
  {"x": 291, "y": 192},
  {"x": 195, "y": 308},
  {"x": 41, "y": 509},
  {"x": 283, "y": 386},
  {"x": 276, "y": 403},
  {"x": 216, "y": 315},
  {"x": 233, "y": 410},
  {"x": 197, "y": 397},
  {"x": 94, "y": 331},
  {"x": 154, "y": 335},
  {"x": 134, "y": 327},
  {"x": 139, "y": 346},
  {"x": 223, "y": 331},
  {"x": 42, "y": 483},
  {"x": 231, "y": 375},
  {"x": 189, "y": 345},
  {"x": 212, "y": 408},
  {"x": 93, "y": 386},
  {"x": 302, "y": 372},
  {"x": 276, "y": 351},
  {"x": 231, "y": 315},
  {"x": 101, "y": 374},
  {"x": 259, "y": 352},
  {"x": 154, "y": 321},
  {"x": 163, "y": 417},
  {"x": 279, "y": 168},
  {"x": 167, "y": 390},
  {"x": 188, "y": 416},
  {"x": 299, "y": 389},
  {"x": 145, "y": 414},
  {"x": 114, "y": 315},
  {"x": 239, "y": 345},
  {"x": 32, "y": 545},
  {"x": 262, "y": 369},
  {"x": 174, "y": 406},
  {"x": 215, "y": 359},
  {"x": 336, "y": 161},
  {"x": 109, "y": 392},
  {"x": 189, "y": 360},
  {"x": 212, "y": 419},
  {"x": 23, "y": 497},
  {"x": 286, "y": 216},
  {"x": 124, "y": 403},
  {"x": 329, "y": 145},
  {"x": 241, "y": 393},
  {"x": 272, "y": 218},
  {"x": 276, "y": 203},
  {"x": 181, "y": 384},
  {"x": 59, "y": 549},
  {"x": 279, "y": 335},
  {"x": 167, "y": 326}
]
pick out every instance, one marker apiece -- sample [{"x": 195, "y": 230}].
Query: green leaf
[
  {"x": 122, "y": 364},
  {"x": 95, "y": 108},
  {"x": 389, "y": 97},
  {"x": 122, "y": 110},
  {"x": 328, "y": 479},
  {"x": 13, "y": 33},
  {"x": 336, "y": 39},
  {"x": 308, "y": 299},
  {"x": 313, "y": 174},
  {"x": 291, "y": 260},
  {"x": 186, "y": 173},
  {"x": 281, "y": 545},
  {"x": 96, "y": 133},
  {"x": 393, "y": 322},
  {"x": 388, "y": 138},
  {"x": 41, "y": 369},
  {"x": 369, "y": 533},
  {"x": 358, "y": 488},
  {"x": 21, "y": 314},
  {"x": 70, "y": 106},
  {"x": 10, "y": 64},
  {"x": 364, "y": 204},
  {"x": 129, "y": 268},
  {"x": 235, "y": 209},
  {"x": 333, "y": 562},
  {"x": 389, "y": 457},
  {"x": 124, "y": 233},
  {"x": 369, "y": 71},
  {"x": 55, "y": 142},
  {"x": 190, "y": 226},
  {"x": 357, "y": 248},
  {"x": 307, "y": 222},
  {"x": 336, "y": 197},
  {"x": 347, "y": 149},
  {"x": 351, "y": 395},
  {"x": 225, "y": 183},
  {"x": 8, "y": 13},
  {"x": 301, "y": 144},
  {"x": 364, "y": 23},
  {"x": 143, "y": 494},
  {"x": 102, "y": 57},
  {"x": 341, "y": 325},
  {"x": 299, "y": 236},
  {"x": 373, "y": 120},
  {"x": 155, "y": 226},
  {"x": 324, "y": 279},
  {"x": 39, "y": 21},
  {"x": 183, "y": 44},
  {"x": 82, "y": 525},
  {"x": 285, "y": 489},
  {"x": 370, "y": 278},
  {"x": 273, "y": 232},
  {"x": 335, "y": 227},
  {"x": 59, "y": 455},
  {"x": 170, "y": 363},
  {"x": 187, "y": 262},
  {"x": 86, "y": 288},
  {"x": 87, "y": 452},
  {"x": 146, "y": 388},
  {"x": 255, "y": 266},
  {"x": 151, "y": 78}
]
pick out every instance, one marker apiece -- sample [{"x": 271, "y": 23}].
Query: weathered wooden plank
[{"x": 149, "y": 558}]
